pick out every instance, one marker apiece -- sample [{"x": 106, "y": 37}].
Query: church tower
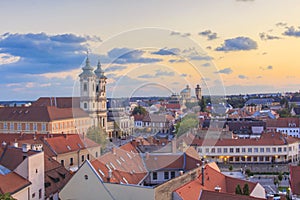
[
  {"x": 92, "y": 94},
  {"x": 198, "y": 92}
]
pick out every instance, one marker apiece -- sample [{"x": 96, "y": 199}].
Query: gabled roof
[
  {"x": 284, "y": 122},
  {"x": 294, "y": 179},
  {"x": 39, "y": 113},
  {"x": 126, "y": 164},
  {"x": 212, "y": 178},
  {"x": 12, "y": 183},
  {"x": 17, "y": 155},
  {"x": 69, "y": 143}
]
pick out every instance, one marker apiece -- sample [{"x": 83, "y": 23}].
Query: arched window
[
  {"x": 85, "y": 105},
  {"x": 85, "y": 87}
]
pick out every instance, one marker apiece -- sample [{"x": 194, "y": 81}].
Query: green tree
[
  {"x": 238, "y": 190},
  {"x": 275, "y": 181},
  {"x": 6, "y": 196},
  {"x": 280, "y": 177},
  {"x": 190, "y": 105},
  {"x": 230, "y": 168},
  {"x": 246, "y": 190},
  {"x": 98, "y": 135},
  {"x": 190, "y": 121},
  {"x": 139, "y": 110},
  {"x": 202, "y": 104}
]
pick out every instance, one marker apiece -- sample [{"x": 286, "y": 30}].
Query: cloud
[
  {"x": 242, "y": 76},
  {"x": 185, "y": 35},
  {"x": 158, "y": 73},
  {"x": 281, "y": 24},
  {"x": 183, "y": 75},
  {"x": 115, "y": 68},
  {"x": 176, "y": 60},
  {"x": 238, "y": 44},
  {"x": 206, "y": 65},
  {"x": 265, "y": 36},
  {"x": 227, "y": 70},
  {"x": 292, "y": 31},
  {"x": 39, "y": 53},
  {"x": 166, "y": 51},
  {"x": 209, "y": 34},
  {"x": 127, "y": 55},
  {"x": 176, "y": 33},
  {"x": 270, "y": 67}
]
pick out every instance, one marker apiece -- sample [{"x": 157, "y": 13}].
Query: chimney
[
  {"x": 202, "y": 172},
  {"x": 218, "y": 188},
  {"x": 15, "y": 144},
  {"x": 25, "y": 148},
  {"x": 114, "y": 151},
  {"x": 173, "y": 145},
  {"x": 109, "y": 175},
  {"x": 180, "y": 172}
]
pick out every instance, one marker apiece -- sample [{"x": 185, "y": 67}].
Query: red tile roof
[
  {"x": 56, "y": 176},
  {"x": 17, "y": 155},
  {"x": 173, "y": 106},
  {"x": 294, "y": 179},
  {"x": 126, "y": 165},
  {"x": 284, "y": 122},
  {"x": 212, "y": 195},
  {"x": 265, "y": 139},
  {"x": 12, "y": 183},
  {"x": 60, "y": 102},
  {"x": 69, "y": 143},
  {"x": 39, "y": 113},
  {"x": 212, "y": 178}
]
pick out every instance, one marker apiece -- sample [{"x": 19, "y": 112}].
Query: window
[
  {"x": 255, "y": 150},
  {"x": 249, "y": 150},
  {"x": 279, "y": 149},
  {"x": 97, "y": 154},
  {"x": 225, "y": 150},
  {"x": 261, "y": 158},
  {"x": 219, "y": 150},
  {"x": 206, "y": 150},
  {"x": 40, "y": 193},
  {"x": 27, "y": 126},
  {"x": 284, "y": 149},
  {"x": 85, "y": 87},
  {"x": 88, "y": 156},
  {"x": 19, "y": 126},
  {"x": 154, "y": 175},
  {"x": 244, "y": 150},
  {"x": 85, "y": 105},
  {"x": 267, "y": 158},
  {"x": 62, "y": 162},
  {"x": 274, "y": 149},
  {"x": 86, "y": 177},
  {"x": 172, "y": 174},
  {"x": 213, "y": 150},
  {"x": 249, "y": 159},
  {"x": 33, "y": 195},
  {"x": 43, "y": 127},
  {"x": 82, "y": 158},
  {"x": 166, "y": 175},
  {"x": 12, "y": 126},
  {"x": 237, "y": 150},
  {"x": 199, "y": 150},
  {"x": 268, "y": 150},
  {"x": 262, "y": 150},
  {"x": 255, "y": 159},
  {"x": 71, "y": 161},
  {"x": 231, "y": 150},
  {"x": 5, "y": 126}
]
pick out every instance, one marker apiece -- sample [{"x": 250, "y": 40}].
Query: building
[
  {"x": 93, "y": 93},
  {"x": 289, "y": 126},
  {"x": 27, "y": 163},
  {"x": 295, "y": 182},
  {"x": 198, "y": 92},
  {"x": 269, "y": 148},
  {"x": 246, "y": 128},
  {"x": 210, "y": 183},
  {"x": 43, "y": 119},
  {"x": 154, "y": 122}
]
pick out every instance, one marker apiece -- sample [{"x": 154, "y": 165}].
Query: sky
[{"x": 149, "y": 48}]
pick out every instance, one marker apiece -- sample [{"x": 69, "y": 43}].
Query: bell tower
[{"x": 93, "y": 93}]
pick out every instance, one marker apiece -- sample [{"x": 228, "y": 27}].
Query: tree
[
  {"x": 188, "y": 122},
  {"x": 202, "y": 104},
  {"x": 230, "y": 168},
  {"x": 238, "y": 190},
  {"x": 6, "y": 196},
  {"x": 275, "y": 181},
  {"x": 246, "y": 190},
  {"x": 98, "y": 135},
  {"x": 190, "y": 105},
  {"x": 139, "y": 110}
]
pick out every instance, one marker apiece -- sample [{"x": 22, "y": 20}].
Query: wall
[
  {"x": 22, "y": 194},
  {"x": 258, "y": 192}
]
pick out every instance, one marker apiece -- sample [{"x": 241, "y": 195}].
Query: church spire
[
  {"x": 87, "y": 69},
  {"x": 99, "y": 72}
]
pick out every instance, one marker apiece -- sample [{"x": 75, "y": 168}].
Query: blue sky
[{"x": 149, "y": 47}]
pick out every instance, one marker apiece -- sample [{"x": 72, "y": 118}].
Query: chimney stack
[
  {"x": 218, "y": 188},
  {"x": 109, "y": 175},
  {"x": 25, "y": 148}
]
